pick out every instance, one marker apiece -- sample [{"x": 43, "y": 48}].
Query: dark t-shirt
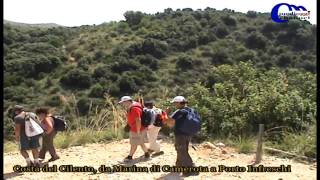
[{"x": 179, "y": 116}]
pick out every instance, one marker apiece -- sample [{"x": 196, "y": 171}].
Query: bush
[
  {"x": 184, "y": 63},
  {"x": 220, "y": 57},
  {"x": 83, "y": 106},
  {"x": 122, "y": 65},
  {"x": 127, "y": 85},
  {"x": 252, "y": 14},
  {"x": 221, "y": 32},
  {"x": 54, "y": 101},
  {"x": 77, "y": 79},
  {"x": 97, "y": 91},
  {"x": 284, "y": 60},
  {"x": 229, "y": 20},
  {"x": 256, "y": 41},
  {"x": 149, "y": 61}
]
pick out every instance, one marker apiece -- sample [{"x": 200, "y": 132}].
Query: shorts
[
  {"x": 136, "y": 139},
  {"x": 28, "y": 143}
]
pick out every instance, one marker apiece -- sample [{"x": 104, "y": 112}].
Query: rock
[
  {"x": 209, "y": 145},
  {"x": 224, "y": 151},
  {"x": 220, "y": 144}
]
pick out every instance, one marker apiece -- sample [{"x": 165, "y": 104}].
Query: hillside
[
  {"x": 113, "y": 153},
  {"x": 41, "y": 25},
  {"x": 237, "y": 69}
]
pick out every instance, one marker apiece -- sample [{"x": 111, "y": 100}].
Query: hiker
[
  {"x": 25, "y": 142},
  {"x": 47, "y": 123},
  {"x": 156, "y": 123},
  {"x": 137, "y": 133},
  {"x": 181, "y": 132}
]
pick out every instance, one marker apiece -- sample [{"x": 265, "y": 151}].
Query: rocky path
[{"x": 110, "y": 154}]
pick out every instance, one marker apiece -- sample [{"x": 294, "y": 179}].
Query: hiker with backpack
[
  {"x": 27, "y": 133},
  {"x": 186, "y": 122},
  {"x": 137, "y": 132},
  {"x": 47, "y": 123},
  {"x": 157, "y": 121}
]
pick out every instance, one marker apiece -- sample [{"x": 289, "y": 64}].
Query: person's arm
[
  {"x": 138, "y": 124},
  {"x": 17, "y": 128},
  {"x": 49, "y": 125},
  {"x": 170, "y": 122}
]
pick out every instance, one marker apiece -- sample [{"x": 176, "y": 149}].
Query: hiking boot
[
  {"x": 54, "y": 158},
  {"x": 158, "y": 153},
  {"x": 37, "y": 164},
  {"x": 147, "y": 155},
  {"x": 127, "y": 159},
  {"x": 30, "y": 163}
]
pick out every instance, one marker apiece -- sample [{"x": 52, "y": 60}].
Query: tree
[{"x": 133, "y": 18}]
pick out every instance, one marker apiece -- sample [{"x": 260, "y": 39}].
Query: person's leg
[
  {"x": 133, "y": 149},
  {"x": 152, "y": 136},
  {"x": 35, "y": 154},
  {"x": 188, "y": 159},
  {"x": 51, "y": 147},
  {"x": 34, "y": 145},
  {"x": 177, "y": 145},
  {"x": 25, "y": 154},
  {"x": 44, "y": 148},
  {"x": 24, "y": 146},
  {"x": 157, "y": 144},
  {"x": 182, "y": 146},
  {"x": 142, "y": 139},
  {"x": 133, "y": 145}
]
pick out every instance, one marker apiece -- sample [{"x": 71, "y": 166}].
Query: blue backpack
[{"x": 191, "y": 124}]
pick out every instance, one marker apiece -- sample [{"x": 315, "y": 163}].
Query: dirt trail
[{"x": 109, "y": 154}]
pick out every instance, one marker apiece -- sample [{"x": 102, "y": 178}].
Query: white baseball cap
[
  {"x": 124, "y": 98},
  {"x": 178, "y": 99}
]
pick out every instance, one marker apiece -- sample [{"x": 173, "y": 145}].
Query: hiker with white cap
[
  {"x": 186, "y": 122},
  {"x": 137, "y": 133}
]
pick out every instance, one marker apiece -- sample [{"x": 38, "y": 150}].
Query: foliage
[
  {"x": 237, "y": 69},
  {"x": 77, "y": 79}
]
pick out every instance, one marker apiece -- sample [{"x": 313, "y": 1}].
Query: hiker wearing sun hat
[
  {"x": 186, "y": 123},
  {"x": 137, "y": 133}
]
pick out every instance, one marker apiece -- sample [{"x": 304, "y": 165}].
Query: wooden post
[{"x": 259, "y": 146}]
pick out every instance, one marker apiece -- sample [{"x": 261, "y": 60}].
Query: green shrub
[
  {"x": 97, "y": 91},
  {"x": 83, "y": 106},
  {"x": 54, "y": 101},
  {"x": 77, "y": 79}
]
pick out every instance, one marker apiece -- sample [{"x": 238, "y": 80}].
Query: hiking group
[
  {"x": 31, "y": 129},
  {"x": 144, "y": 121}
]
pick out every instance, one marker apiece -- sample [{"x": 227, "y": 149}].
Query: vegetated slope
[{"x": 164, "y": 54}]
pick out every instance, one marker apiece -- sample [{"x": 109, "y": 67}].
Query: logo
[{"x": 295, "y": 12}]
